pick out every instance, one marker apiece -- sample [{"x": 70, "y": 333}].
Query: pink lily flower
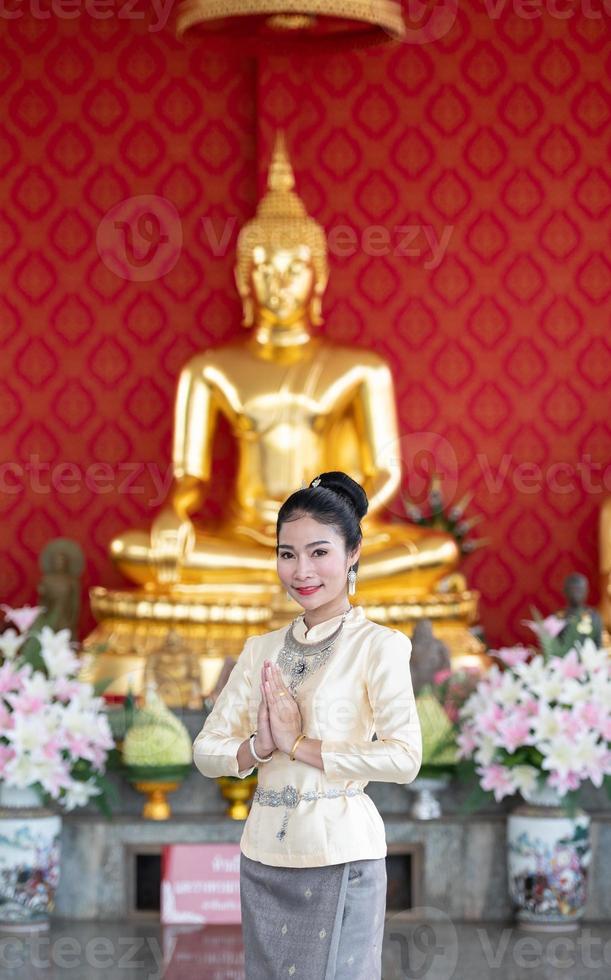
[
  {"x": 497, "y": 779},
  {"x": 24, "y": 617},
  {"x": 564, "y": 782},
  {"x": 29, "y": 704},
  {"x": 551, "y": 625},
  {"x": 512, "y": 656},
  {"x": 514, "y": 731},
  {"x": 572, "y": 724},
  {"x": 467, "y": 743},
  {"x": 6, "y": 754},
  {"x": 10, "y": 679},
  {"x": 591, "y": 714},
  {"x": 569, "y": 666},
  {"x": 489, "y": 721}
]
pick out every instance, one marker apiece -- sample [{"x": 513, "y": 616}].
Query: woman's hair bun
[{"x": 345, "y": 486}]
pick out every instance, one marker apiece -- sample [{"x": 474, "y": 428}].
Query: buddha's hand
[
  {"x": 172, "y": 538},
  {"x": 284, "y": 714}
]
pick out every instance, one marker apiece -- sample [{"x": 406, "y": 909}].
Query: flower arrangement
[
  {"x": 544, "y": 721},
  {"x": 156, "y": 738},
  {"x": 439, "y": 705},
  {"x": 440, "y": 516},
  {"x": 54, "y": 733}
]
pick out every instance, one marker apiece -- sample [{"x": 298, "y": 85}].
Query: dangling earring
[
  {"x": 288, "y": 594},
  {"x": 351, "y": 582}
]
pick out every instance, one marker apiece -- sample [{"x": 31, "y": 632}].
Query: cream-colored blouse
[{"x": 364, "y": 687}]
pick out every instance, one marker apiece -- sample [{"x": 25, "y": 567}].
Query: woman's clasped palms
[{"x": 279, "y": 719}]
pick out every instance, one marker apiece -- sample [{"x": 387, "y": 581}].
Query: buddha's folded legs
[
  {"x": 214, "y": 558},
  {"x": 392, "y": 558},
  {"x": 414, "y": 564}
]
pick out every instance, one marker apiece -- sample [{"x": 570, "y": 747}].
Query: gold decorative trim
[
  {"x": 441, "y": 606},
  {"x": 385, "y": 14},
  {"x": 186, "y": 608}
]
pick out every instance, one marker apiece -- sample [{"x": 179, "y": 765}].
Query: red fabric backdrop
[{"x": 484, "y": 154}]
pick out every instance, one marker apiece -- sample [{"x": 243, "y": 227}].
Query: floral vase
[
  {"x": 29, "y": 860},
  {"x": 548, "y": 854}
]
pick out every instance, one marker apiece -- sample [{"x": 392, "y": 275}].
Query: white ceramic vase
[
  {"x": 548, "y": 855},
  {"x": 29, "y": 860}
]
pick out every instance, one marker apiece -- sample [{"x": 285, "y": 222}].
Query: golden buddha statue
[{"x": 297, "y": 405}]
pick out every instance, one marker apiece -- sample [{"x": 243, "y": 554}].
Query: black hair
[{"x": 337, "y": 500}]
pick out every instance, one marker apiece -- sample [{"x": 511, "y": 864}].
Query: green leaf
[{"x": 476, "y": 800}]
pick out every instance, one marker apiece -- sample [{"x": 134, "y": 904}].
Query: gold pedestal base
[
  {"x": 157, "y": 806},
  {"x": 238, "y": 793},
  {"x": 214, "y": 623}
]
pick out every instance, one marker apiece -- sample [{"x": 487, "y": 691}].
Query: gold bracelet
[{"x": 297, "y": 741}]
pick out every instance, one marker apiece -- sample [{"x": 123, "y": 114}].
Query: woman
[{"x": 302, "y": 704}]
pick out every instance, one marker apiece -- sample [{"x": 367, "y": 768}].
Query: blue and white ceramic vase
[
  {"x": 548, "y": 855},
  {"x": 29, "y": 860}
]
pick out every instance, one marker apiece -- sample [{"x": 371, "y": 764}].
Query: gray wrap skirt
[{"x": 322, "y": 923}]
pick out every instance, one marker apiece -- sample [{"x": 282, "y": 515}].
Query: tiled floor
[{"x": 433, "y": 950}]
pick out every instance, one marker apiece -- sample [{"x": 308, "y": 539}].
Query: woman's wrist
[{"x": 262, "y": 750}]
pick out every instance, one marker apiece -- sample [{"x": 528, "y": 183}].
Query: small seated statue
[
  {"x": 59, "y": 590},
  {"x": 582, "y": 620},
  {"x": 297, "y": 405}
]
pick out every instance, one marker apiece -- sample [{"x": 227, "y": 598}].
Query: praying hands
[{"x": 279, "y": 715}]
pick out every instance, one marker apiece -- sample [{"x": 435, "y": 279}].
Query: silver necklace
[{"x": 297, "y": 660}]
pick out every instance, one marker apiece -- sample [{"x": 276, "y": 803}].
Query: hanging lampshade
[{"x": 262, "y": 21}]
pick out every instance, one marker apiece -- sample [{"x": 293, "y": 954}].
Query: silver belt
[{"x": 290, "y": 796}]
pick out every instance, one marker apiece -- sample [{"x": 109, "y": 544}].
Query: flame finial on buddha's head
[{"x": 282, "y": 222}]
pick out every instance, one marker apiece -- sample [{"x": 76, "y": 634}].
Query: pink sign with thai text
[{"x": 200, "y": 883}]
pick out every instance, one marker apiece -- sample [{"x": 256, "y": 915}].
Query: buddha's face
[
  {"x": 576, "y": 589},
  {"x": 60, "y": 563},
  {"x": 282, "y": 280}
]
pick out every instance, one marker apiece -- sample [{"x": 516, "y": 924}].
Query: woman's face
[{"x": 312, "y": 562}]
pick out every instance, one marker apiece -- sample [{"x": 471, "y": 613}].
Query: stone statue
[
  {"x": 429, "y": 655},
  {"x": 580, "y": 618},
  {"x": 297, "y": 405},
  {"x": 59, "y": 590}
]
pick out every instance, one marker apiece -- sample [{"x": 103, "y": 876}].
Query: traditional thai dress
[{"x": 312, "y": 868}]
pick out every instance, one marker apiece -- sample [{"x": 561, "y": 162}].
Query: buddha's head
[
  {"x": 282, "y": 271},
  {"x": 576, "y": 589}
]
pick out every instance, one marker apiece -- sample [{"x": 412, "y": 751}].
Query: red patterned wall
[
  {"x": 494, "y": 136},
  {"x": 94, "y": 112}
]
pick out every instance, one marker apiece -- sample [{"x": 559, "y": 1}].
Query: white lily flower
[
  {"x": 486, "y": 751},
  {"x": 588, "y": 751},
  {"x": 78, "y": 794},
  {"x": 525, "y": 778},
  {"x": 547, "y": 725},
  {"x": 510, "y": 690},
  {"x": 593, "y": 658},
  {"x": 21, "y": 772},
  {"x": 561, "y": 756},
  {"x": 57, "y": 653},
  {"x": 10, "y": 642}
]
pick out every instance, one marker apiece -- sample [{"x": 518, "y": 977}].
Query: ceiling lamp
[{"x": 262, "y": 21}]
